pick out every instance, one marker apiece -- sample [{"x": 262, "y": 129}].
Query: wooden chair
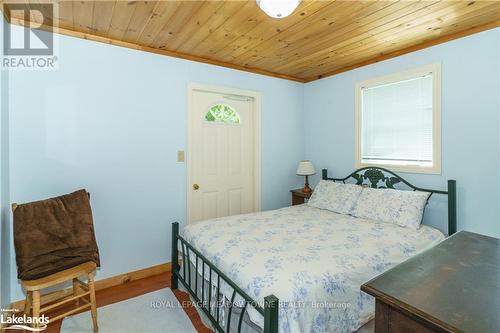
[
  {"x": 81, "y": 291},
  {"x": 34, "y": 301}
]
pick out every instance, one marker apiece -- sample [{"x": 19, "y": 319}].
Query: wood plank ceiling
[{"x": 320, "y": 38}]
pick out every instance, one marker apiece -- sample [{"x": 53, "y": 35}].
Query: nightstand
[{"x": 298, "y": 197}]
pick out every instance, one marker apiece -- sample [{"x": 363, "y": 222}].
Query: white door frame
[{"x": 191, "y": 87}]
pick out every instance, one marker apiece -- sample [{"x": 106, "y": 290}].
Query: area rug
[{"x": 158, "y": 311}]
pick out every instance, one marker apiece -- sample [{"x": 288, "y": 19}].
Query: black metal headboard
[{"x": 376, "y": 177}]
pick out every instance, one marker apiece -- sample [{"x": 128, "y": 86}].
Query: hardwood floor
[{"x": 136, "y": 288}]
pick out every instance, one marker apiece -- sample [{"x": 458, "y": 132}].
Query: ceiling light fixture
[{"x": 278, "y": 8}]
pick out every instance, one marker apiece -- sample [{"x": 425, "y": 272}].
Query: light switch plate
[{"x": 180, "y": 156}]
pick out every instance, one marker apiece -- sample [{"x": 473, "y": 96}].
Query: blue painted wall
[
  {"x": 5, "y": 226},
  {"x": 4, "y": 184},
  {"x": 470, "y": 125},
  {"x": 111, "y": 120}
]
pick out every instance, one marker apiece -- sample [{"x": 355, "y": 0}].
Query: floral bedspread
[{"x": 313, "y": 260}]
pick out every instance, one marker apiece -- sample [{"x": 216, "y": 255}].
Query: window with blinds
[{"x": 398, "y": 123}]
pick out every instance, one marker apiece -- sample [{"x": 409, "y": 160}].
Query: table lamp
[{"x": 306, "y": 168}]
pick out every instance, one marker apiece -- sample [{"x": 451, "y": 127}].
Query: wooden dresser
[{"x": 453, "y": 287}]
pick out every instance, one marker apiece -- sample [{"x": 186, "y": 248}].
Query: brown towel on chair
[{"x": 53, "y": 235}]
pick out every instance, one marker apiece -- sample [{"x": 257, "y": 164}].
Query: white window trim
[{"x": 436, "y": 128}]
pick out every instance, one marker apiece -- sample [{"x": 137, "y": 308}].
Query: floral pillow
[
  {"x": 337, "y": 197},
  {"x": 404, "y": 208}
]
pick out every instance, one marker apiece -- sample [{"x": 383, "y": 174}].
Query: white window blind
[{"x": 396, "y": 122}]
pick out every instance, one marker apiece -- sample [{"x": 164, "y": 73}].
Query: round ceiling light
[{"x": 278, "y": 8}]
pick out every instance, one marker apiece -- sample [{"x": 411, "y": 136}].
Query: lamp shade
[
  {"x": 278, "y": 8},
  {"x": 306, "y": 168}
]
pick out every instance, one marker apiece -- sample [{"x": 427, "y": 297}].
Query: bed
[{"x": 298, "y": 268}]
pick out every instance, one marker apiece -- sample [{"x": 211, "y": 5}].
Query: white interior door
[{"x": 221, "y": 155}]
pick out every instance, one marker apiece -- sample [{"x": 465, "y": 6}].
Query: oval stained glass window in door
[{"x": 222, "y": 113}]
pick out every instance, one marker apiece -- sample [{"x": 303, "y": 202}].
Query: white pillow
[
  {"x": 404, "y": 208},
  {"x": 337, "y": 197}
]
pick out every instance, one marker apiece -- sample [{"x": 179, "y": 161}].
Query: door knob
[{"x": 196, "y": 187}]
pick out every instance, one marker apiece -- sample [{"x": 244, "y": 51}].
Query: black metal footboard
[{"x": 196, "y": 287}]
